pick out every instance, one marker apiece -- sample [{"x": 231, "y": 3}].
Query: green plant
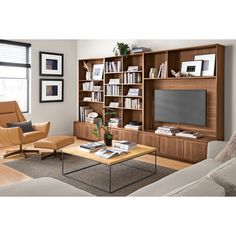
[
  {"x": 104, "y": 124},
  {"x": 121, "y": 49}
]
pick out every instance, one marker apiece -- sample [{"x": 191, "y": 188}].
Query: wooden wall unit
[{"x": 173, "y": 147}]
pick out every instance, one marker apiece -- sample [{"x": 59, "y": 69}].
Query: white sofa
[{"x": 172, "y": 185}]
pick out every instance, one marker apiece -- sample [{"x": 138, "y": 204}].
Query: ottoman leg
[{"x": 52, "y": 154}]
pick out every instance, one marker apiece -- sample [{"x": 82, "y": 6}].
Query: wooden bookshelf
[{"x": 173, "y": 147}]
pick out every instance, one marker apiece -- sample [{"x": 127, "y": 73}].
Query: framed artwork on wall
[
  {"x": 51, "y": 64},
  {"x": 51, "y": 90}
]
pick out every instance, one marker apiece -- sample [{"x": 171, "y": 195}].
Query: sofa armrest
[
  {"x": 42, "y": 127},
  {"x": 214, "y": 147},
  {"x": 11, "y": 136}
]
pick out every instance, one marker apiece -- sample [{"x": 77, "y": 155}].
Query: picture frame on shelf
[
  {"x": 51, "y": 64},
  {"x": 208, "y": 65},
  {"x": 192, "y": 68},
  {"x": 98, "y": 71},
  {"x": 51, "y": 90}
]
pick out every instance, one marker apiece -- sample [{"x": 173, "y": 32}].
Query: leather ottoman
[{"x": 54, "y": 143}]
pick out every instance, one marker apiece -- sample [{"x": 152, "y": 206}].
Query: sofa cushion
[
  {"x": 42, "y": 187},
  {"x": 225, "y": 175},
  {"x": 178, "y": 179},
  {"x": 229, "y": 151},
  {"x": 202, "y": 187},
  {"x": 26, "y": 126}
]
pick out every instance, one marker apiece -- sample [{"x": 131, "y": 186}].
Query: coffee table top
[{"x": 138, "y": 151}]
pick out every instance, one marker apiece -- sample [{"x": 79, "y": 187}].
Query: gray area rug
[{"x": 96, "y": 175}]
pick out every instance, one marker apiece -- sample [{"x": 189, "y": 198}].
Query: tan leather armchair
[{"x": 10, "y": 112}]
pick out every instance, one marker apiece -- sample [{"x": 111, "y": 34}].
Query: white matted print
[
  {"x": 192, "y": 68},
  {"x": 208, "y": 65},
  {"x": 51, "y": 64},
  {"x": 98, "y": 71},
  {"x": 51, "y": 90}
]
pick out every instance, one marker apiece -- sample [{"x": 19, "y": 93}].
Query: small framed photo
[
  {"x": 98, "y": 71},
  {"x": 208, "y": 65},
  {"x": 192, "y": 68},
  {"x": 51, "y": 64},
  {"x": 51, "y": 90}
]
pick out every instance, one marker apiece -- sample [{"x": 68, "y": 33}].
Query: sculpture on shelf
[
  {"x": 121, "y": 49},
  {"x": 179, "y": 74}
]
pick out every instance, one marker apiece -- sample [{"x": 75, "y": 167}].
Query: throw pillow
[
  {"x": 229, "y": 150},
  {"x": 26, "y": 126},
  {"x": 225, "y": 175}
]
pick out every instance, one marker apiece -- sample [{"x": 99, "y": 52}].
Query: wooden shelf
[
  {"x": 92, "y": 102},
  {"x": 179, "y": 148},
  {"x": 182, "y": 78}
]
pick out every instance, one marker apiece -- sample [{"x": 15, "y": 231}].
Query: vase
[
  {"x": 107, "y": 141},
  {"x": 88, "y": 75}
]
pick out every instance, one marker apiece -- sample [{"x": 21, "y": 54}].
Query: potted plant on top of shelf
[
  {"x": 121, "y": 49},
  {"x": 104, "y": 125}
]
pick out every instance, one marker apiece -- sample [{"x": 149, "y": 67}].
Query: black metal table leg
[{"x": 109, "y": 178}]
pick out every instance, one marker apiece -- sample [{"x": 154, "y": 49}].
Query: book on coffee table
[{"x": 91, "y": 147}]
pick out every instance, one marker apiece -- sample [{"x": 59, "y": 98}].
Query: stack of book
[
  {"x": 91, "y": 147},
  {"x": 88, "y": 86},
  {"x": 124, "y": 145},
  {"x": 139, "y": 49},
  {"x": 188, "y": 134},
  {"x": 133, "y": 127},
  {"x": 97, "y": 96},
  {"x": 110, "y": 152},
  {"x": 113, "y": 66},
  {"x": 114, "y": 81},
  {"x": 134, "y": 92},
  {"x": 167, "y": 130},
  {"x": 114, "y": 122}
]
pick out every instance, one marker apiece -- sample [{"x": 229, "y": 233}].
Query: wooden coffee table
[{"x": 138, "y": 151}]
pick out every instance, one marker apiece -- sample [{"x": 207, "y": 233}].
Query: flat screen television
[{"x": 181, "y": 106}]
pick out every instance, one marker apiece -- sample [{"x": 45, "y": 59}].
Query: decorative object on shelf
[
  {"x": 88, "y": 67},
  {"x": 98, "y": 71},
  {"x": 208, "y": 65},
  {"x": 121, "y": 49},
  {"x": 163, "y": 73},
  {"x": 153, "y": 73},
  {"x": 104, "y": 124},
  {"x": 193, "y": 68},
  {"x": 51, "y": 64},
  {"x": 179, "y": 74},
  {"x": 51, "y": 90}
]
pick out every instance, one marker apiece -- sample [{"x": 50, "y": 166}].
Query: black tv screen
[{"x": 181, "y": 106}]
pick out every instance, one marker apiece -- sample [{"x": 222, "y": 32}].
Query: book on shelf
[
  {"x": 114, "y": 104},
  {"x": 87, "y": 86},
  {"x": 133, "y": 103},
  {"x": 134, "y": 92},
  {"x": 132, "y": 78},
  {"x": 133, "y": 127},
  {"x": 189, "y": 134},
  {"x": 113, "y": 66},
  {"x": 153, "y": 73},
  {"x": 97, "y": 96},
  {"x": 114, "y": 122},
  {"x": 87, "y": 99},
  {"x": 167, "y": 130},
  {"x": 110, "y": 152},
  {"x": 91, "y": 147},
  {"x": 96, "y": 87},
  {"x": 134, "y": 68},
  {"x": 163, "y": 71},
  {"x": 139, "y": 50},
  {"x": 82, "y": 112},
  {"x": 113, "y": 90},
  {"x": 114, "y": 81},
  {"x": 124, "y": 145}
]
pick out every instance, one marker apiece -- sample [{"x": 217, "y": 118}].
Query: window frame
[{"x": 27, "y": 66}]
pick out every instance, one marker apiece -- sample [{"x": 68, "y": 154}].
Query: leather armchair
[{"x": 10, "y": 112}]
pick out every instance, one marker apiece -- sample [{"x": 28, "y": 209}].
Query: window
[{"x": 15, "y": 72}]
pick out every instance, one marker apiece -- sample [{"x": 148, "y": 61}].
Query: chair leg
[{"x": 12, "y": 153}]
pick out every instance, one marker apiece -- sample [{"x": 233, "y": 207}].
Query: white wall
[
  {"x": 102, "y": 48},
  {"x": 60, "y": 114}
]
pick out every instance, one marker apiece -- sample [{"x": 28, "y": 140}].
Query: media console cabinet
[{"x": 191, "y": 150}]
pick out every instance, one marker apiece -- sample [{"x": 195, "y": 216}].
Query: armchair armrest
[
  {"x": 42, "y": 127},
  {"x": 11, "y": 136},
  {"x": 215, "y": 147}
]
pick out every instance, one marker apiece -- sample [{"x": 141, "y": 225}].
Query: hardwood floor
[{"x": 9, "y": 175}]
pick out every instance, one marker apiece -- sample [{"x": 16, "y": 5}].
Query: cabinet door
[
  {"x": 151, "y": 140},
  {"x": 131, "y": 136},
  {"x": 194, "y": 151},
  {"x": 116, "y": 134},
  {"x": 171, "y": 147},
  {"x": 80, "y": 130}
]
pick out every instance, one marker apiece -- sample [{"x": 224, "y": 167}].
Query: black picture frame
[
  {"x": 53, "y": 86},
  {"x": 51, "y": 64}
]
